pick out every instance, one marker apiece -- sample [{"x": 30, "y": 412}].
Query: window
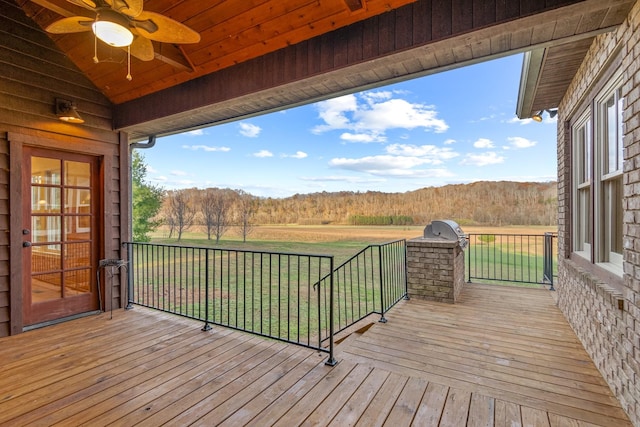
[
  {"x": 610, "y": 207},
  {"x": 597, "y": 146},
  {"x": 582, "y": 178}
]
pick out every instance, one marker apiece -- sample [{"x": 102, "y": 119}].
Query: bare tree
[
  {"x": 215, "y": 205},
  {"x": 245, "y": 208},
  {"x": 180, "y": 211}
]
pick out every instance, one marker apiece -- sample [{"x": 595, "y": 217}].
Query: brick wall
[
  {"x": 435, "y": 270},
  {"x": 606, "y": 317}
]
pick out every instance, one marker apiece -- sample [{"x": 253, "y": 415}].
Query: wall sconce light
[
  {"x": 538, "y": 116},
  {"x": 67, "y": 112}
]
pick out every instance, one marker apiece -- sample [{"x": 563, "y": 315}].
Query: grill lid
[{"x": 445, "y": 230}]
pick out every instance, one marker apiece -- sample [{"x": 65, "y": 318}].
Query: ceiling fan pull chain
[
  {"x": 95, "y": 49},
  {"x": 129, "y": 63}
]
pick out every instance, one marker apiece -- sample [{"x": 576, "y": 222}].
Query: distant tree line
[
  {"x": 380, "y": 220},
  {"x": 494, "y": 203},
  {"x": 215, "y": 210},
  {"x": 212, "y": 210}
]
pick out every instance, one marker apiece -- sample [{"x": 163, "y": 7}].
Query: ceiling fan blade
[
  {"x": 84, "y": 3},
  {"x": 163, "y": 29},
  {"x": 142, "y": 48},
  {"x": 74, "y": 24},
  {"x": 131, "y": 8}
]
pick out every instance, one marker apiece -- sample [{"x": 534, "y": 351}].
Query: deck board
[
  {"x": 512, "y": 348},
  {"x": 502, "y": 357}
]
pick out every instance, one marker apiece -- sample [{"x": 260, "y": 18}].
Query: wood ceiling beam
[
  {"x": 54, "y": 8},
  {"x": 174, "y": 56},
  {"x": 354, "y": 5}
]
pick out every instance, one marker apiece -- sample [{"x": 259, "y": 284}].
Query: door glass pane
[
  {"x": 77, "y": 255},
  {"x": 77, "y": 227},
  {"x": 77, "y": 282},
  {"x": 45, "y": 258},
  {"x": 77, "y": 201},
  {"x": 77, "y": 174},
  {"x": 45, "y": 287},
  {"x": 45, "y": 199},
  {"x": 45, "y": 171},
  {"x": 45, "y": 228}
]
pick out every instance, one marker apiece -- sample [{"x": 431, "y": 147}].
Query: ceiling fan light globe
[{"x": 112, "y": 33}]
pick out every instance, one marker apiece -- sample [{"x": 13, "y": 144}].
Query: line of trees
[
  {"x": 495, "y": 203},
  {"x": 212, "y": 210},
  {"x": 216, "y": 210}
]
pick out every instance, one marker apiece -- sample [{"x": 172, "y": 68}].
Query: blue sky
[{"x": 453, "y": 127}]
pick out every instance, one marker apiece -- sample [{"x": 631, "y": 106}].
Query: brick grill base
[{"x": 435, "y": 269}]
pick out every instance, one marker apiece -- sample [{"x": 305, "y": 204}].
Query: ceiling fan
[{"x": 123, "y": 23}]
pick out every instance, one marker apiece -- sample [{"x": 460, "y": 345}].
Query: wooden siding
[
  {"x": 414, "y": 40},
  {"x": 34, "y": 72}
]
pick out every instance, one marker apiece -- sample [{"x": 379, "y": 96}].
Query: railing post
[
  {"x": 382, "y": 310},
  {"x": 129, "y": 247},
  {"x": 548, "y": 260},
  {"x": 404, "y": 265},
  {"x": 469, "y": 259},
  {"x": 207, "y": 326},
  {"x": 331, "y": 361}
]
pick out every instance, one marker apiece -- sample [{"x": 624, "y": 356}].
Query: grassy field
[{"x": 341, "y": 241}]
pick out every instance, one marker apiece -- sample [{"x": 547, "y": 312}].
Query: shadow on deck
[{"x": 503, "y": 356}]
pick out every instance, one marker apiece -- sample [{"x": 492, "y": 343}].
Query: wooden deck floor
[{"x": 502, "y": 357}]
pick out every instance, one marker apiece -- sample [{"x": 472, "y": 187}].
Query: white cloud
[
  {"x": 179, "y": 173},
  {"x": 377, "y": 96},
  {"x": 368, "y": 116},
  {"x": 363, "y": 137},
  {"x": 520, "y": 142},
  {"x": 342, "y": 178},
  {"x": 485, "y": 118},
  {"x": 382, "y": 162},
  {"x": 429, "y": 153},
  {"x": 297, "y": 155},
  {"x": 196, "y": 132},
  {"x": 483, "y": 159},
  {"x": 263, "y": 153},
  {"x": 205, "y": 148},
  {"x": 449, "y": 141},
  {"x": 393, "y": 166},
  {"x": 249, "y": 130},
  {"x": 333, "y": 111},
  {"x": 520, "y": 121},
  {"x": 483, "y": 143}
]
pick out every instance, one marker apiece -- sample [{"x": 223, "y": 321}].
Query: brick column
[{"x": 435, "y": 269}]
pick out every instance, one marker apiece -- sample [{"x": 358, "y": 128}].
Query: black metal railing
[
  {"x": 550, "y": 255},
  {"x": 275, "y": 295},
  {"x": 370, "y": 282},
  {"x": 515, "y": 258}
]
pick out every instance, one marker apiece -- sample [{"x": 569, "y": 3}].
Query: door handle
[{"x": 26, "y": 244}]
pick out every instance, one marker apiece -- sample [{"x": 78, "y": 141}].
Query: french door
[{"x": 60, "y": 232}]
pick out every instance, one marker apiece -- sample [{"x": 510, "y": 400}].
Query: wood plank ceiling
[
  {"x": 232, "y": 31},
  {"x": 257, "y": 56}
]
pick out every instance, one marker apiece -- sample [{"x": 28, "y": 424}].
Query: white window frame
[
  {"x": 597, "y": 189},
  {"x": 609, "y": 191},
  {"x": 582, "y": 187}
]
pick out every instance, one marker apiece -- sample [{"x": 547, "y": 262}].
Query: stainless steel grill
[{"x": 446, "y": 230}]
